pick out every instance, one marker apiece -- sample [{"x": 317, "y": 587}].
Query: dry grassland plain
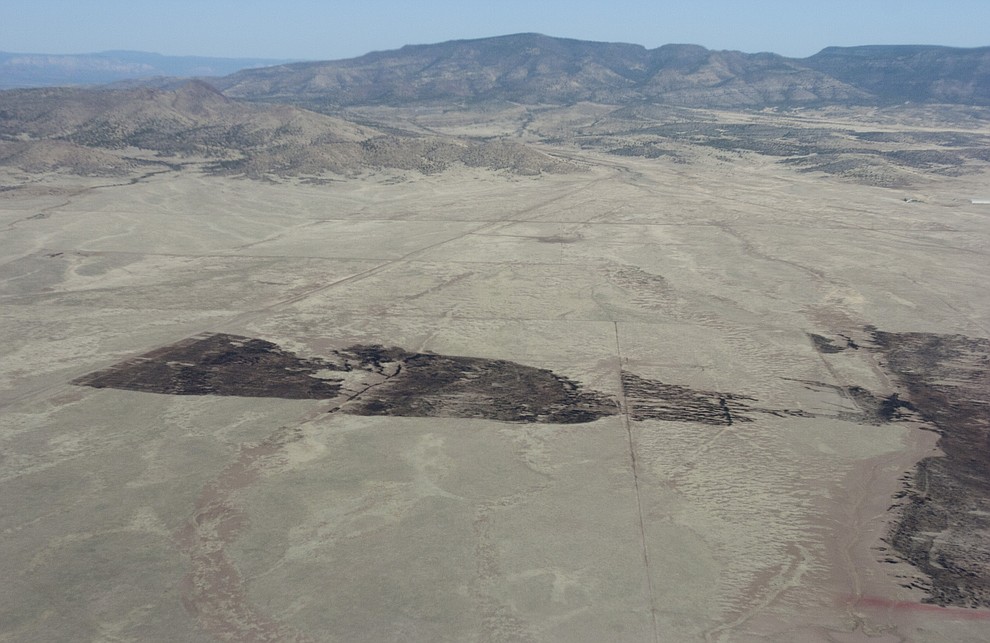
[{"x": 755, "y": 506}]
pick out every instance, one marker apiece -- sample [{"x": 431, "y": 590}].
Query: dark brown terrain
[
  {"x": 945, "y": 511},
  {"x": 381, "y": 381},
  {"x": 942, "y": 513},
  {"x": 652, "y": 400},
  {"x": 220, "y": 364},
  {"x": 945, "y": 379}
]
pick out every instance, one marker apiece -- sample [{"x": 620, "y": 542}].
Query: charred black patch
[
  {"x": 890, "y": 407},
  {"x": 825, "y": 345},
  {"x": 944, "y": 511},
  {"x": 558, "y": 238},
  {"x": 875, "y": 409},
  {"x": 430, "y": 385},
  {"x": 220, "y": 365},
  {"x": 653, "y": 400},
  {"x": 380, "y": 380},
  {"x": 870, "y": 408}
]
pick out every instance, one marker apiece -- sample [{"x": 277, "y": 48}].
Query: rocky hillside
[{"x": 910, "y": 73}]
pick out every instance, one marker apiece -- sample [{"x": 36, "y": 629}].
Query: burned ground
[
  {"x": 391, "y": 381},
  {"x": 870, "y": 408},
  {"x": 945, "y": 512},
  {"x": 381, "y": 381},
  {"x": 654, "y": 400},
  {"x": 429, "y": 385},
  {"x": 826, "y": 345},
  {"x": 942, "y": 513},
  {"x": 220, "y": 364}
]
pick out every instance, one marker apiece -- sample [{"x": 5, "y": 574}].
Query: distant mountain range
[
  {"x": 346, "y": 117},
  {"x": 51, "y": 70},
  {"x": 537, "y": 69}
]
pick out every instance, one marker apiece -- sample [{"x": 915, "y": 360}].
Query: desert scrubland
[{"x": 609, "y": 375}]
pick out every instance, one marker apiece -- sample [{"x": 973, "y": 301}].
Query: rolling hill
[{"x": 110, "y": 132}]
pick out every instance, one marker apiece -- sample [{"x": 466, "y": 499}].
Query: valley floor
[{"x": 756, "y": 506}]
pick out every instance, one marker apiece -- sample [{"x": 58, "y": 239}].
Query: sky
[{"x": 334, "y": 29}]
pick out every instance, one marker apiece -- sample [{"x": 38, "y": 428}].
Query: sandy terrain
[{"x": 136, "y": 516}]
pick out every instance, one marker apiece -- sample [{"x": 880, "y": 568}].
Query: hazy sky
[{"x": 330, "y": 29}]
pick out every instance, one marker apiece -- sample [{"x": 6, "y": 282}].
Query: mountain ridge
[
  {"x": 533, "y": 69},
  {"x": 399, "y": 110}
]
